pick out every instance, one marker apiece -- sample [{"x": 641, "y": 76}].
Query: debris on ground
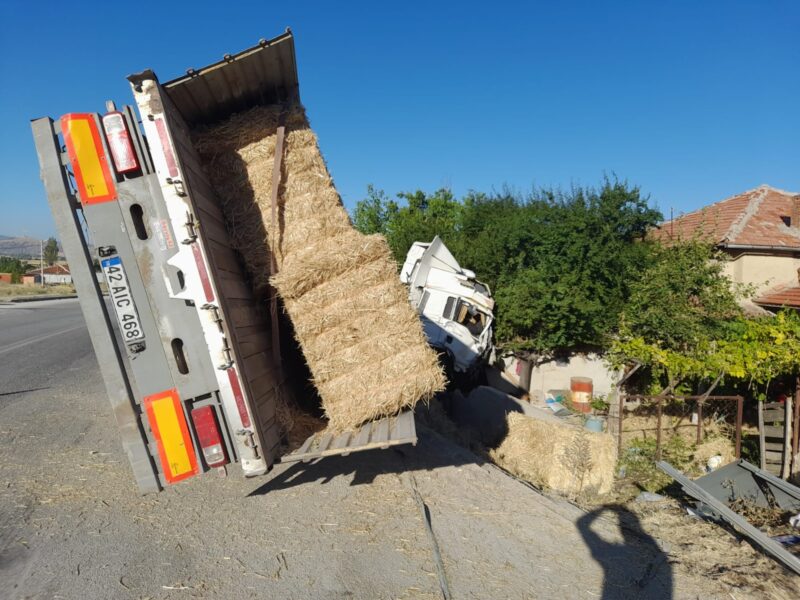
[
  {"x": 361, "y": 340},
  {"x": 695, "y": 547},
  {"x": 716, "y": 552},
  {"x": 772, "y": 520},
  {"x": 646, "y": 496},
  {"x": 712, "y": 453}
]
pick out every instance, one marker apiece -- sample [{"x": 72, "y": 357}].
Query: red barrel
[{"x": 581, "y": 388}]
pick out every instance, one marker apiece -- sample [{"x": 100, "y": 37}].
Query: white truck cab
[{"x": 455, "y": 308}]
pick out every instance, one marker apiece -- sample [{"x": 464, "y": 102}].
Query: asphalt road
[
  {"x": 41, "y": 343},
  {"x": 370, "y": 525}
]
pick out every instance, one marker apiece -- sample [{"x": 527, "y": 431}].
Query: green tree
[
  {"x": 684, "y": 322},
  {"x": 51, "y": 251},
  {"x": 571, "y": 258},
  {"x": 559, "y": 263},
  {"x": 414, "y": 217},
  {"x": 13, "y": 266},
  {"x": 371, "y": 214},
  {"x": 683, "y": 299}
]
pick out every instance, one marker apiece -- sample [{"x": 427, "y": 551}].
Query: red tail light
[
  {"x": 119, "y": 141},
  {"x": 208, "y": 434}
]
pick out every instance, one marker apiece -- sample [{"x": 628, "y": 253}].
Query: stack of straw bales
[
  {"x": 362, "y": 341},
  {"x": 568, "y": 459}
]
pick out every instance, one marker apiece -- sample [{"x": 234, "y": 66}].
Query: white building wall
[
  {"x": 51, "y": 279},
  {"x": 555, "y": 375}
]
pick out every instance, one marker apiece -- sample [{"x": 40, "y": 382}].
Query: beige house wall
[
  {"x": 762, "y": 271},
  {"x": 556, "y": 375}
]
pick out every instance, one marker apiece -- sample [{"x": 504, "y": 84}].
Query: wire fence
[{"x": 690, "y": 417}]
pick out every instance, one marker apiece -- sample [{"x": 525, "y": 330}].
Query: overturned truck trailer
[{"x": 191, "y": 359}]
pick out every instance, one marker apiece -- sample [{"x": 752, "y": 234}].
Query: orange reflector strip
[
  {"x": 88, "y": 158},
  {"x": 175, "y": 448}
]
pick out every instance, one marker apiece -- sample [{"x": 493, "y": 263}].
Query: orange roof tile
[
  {"x": 755, "y": 218},
  {"x": 51, "y": 270},
  {"x": 788, "y": 296}
]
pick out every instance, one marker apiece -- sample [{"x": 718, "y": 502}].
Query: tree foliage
[
  {"x": 51, "y": 251},
  {"x": 560, "y": 262},
  {"x": 753, "y": 350},
  {"x": 684, "y": 322},
  {"x": 13, "y": 266},
  {"x": 683, "y": 299}
]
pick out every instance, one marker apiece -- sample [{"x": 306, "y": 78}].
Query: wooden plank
[
  {"x": 774, "y": 456},
  {"x": 212, "y": 229},
  {"x": 306, "y": 445},
  {"x": 245, "y": 314},
  {"x": 225, "y": 257},
  {"x": 773, "y": 415},
  {"x": 365, "y": 438},
  {"x": 203, "y": 198},
  {"x": 325, "y": 442},
  {"x": 257, "y": 365},
  {"x": 774, "y": 446},
  {"x": 787, "y": 441},
  {"x": 404, "y": 428},
  {"x": 253, "y": 345},
  {"x": 265, "y": 397},
  {"x": 232, "y": 287},
  {"x": 363, "y": 435},
  {"x": 761, "y": 447},
  {"x": 341, "y": 440},
  {"x": 381, "y": 432},
  {"x": 773, "y": 432}
]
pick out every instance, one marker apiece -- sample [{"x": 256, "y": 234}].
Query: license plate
[{"x": 121, "y": 298}]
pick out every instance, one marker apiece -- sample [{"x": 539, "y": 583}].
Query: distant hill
[{"x": 20, "y": 246}]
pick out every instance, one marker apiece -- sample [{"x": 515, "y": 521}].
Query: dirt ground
[{"x": 431, "y": 521}]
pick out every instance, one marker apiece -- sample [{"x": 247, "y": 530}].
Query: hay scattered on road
[
  {"x": 567, "y": 459},
  {"x": 362, "y": 341}
]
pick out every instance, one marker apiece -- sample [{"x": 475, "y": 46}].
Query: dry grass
[
  {"x": 713, "y": 446},
  {"x": 362, "y": 341},
  {"x": 567, "y": 459},
  {"x": 10, "y": 290},
  {"x": 711, "y": 551}
]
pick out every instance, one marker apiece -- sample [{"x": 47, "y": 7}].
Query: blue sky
[{"x": 692, "y": 101}]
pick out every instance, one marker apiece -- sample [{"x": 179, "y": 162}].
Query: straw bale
[
  {"x": 713, "y": 446},
  {"x": 360, "y": 337},
  {"x": 568, "y": 459}
]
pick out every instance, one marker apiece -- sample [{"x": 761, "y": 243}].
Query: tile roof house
[
  {"x": 760, "y": 231},
  {"x": 54, "y": 274}
]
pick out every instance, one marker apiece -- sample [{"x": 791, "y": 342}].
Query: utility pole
[{"x": 41, "y": 261}]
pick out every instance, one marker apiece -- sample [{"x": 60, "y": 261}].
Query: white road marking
[{"x": 41, "y": 338}]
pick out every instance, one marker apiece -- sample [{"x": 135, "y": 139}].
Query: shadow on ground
[
  {"x": 637, "y": 567},
  {"x": 430, "y": 453}
]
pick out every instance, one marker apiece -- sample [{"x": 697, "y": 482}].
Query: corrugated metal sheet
[{"x": 263, "y": 74}]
